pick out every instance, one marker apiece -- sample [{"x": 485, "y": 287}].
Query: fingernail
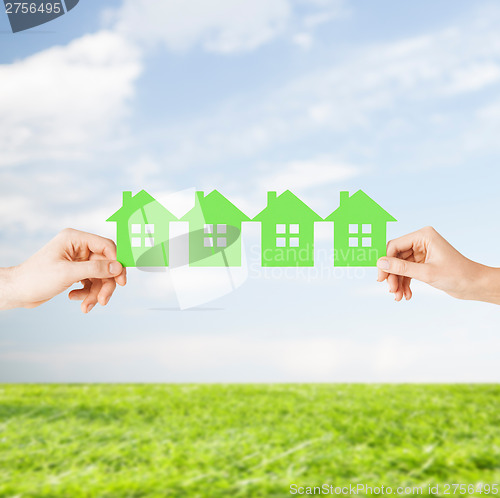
[
  {"x": 115, "y": 268},
  {"x": 383, "y": 264},
  {"x": 89, "y": 308}
]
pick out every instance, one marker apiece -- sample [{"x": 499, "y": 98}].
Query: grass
[{"x": 242, "y": 440}]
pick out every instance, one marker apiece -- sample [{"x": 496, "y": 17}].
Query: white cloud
[
  {"x": 301, "y": 175},
  {"x": 221, "y": 26},
  {"x": 303, "y": 40},
  {"x": 78, "y": 96},
  {"x": 224, "y": 26},
  {"x": 473, "y": 77},
  {"x": 316, "y": 19}
]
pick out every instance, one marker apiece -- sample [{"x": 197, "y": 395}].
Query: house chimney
[
  {"x": 199, "y": 195},
  {"x": 344, "y": 195},
  {"x": 127, "y": 197},
  {"x": 271, "y": 197}
]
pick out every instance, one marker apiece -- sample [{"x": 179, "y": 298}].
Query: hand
[
  {"x": 427, "y": 256},
  {"x": 72, "y": 256}
]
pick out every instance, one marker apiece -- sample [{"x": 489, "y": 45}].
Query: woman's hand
[
  {"x": 72, "y": 256},
  {"x": 426, "y": 256}
]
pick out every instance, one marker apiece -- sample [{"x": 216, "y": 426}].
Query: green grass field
[{"x": 242, "y": 440}]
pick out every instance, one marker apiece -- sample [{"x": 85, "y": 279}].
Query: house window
[
  {"x": 142, "y": 235},
  {"x": 287, "y": 235},
  {"x": 215, "y": 238},
  {"x": 360, "y": 235}
]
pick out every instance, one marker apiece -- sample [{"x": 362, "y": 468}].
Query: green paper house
[
  {"x": 287, "y": 231},
  {"x": 360, "y": 230},
  {"x": 214, "y": 231},
  {"x": 142, "y": 226}
]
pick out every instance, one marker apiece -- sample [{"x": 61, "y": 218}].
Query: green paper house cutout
[
  {"x": 214, "y": 231},
  {"x": 287, "y": 231},
  {"x": 142, "y": 231},
  {"x": 360, "y": 230}
]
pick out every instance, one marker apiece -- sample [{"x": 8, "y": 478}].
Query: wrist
[
  {"x": 486, "y": 284},
  {"x": 9, "y": 297}
]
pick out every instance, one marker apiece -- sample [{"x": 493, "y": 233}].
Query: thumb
[
  {"x": 396, "y": 266},
  {"x": 93, "y": 269}
]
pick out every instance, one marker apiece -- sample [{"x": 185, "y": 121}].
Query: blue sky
[{"x": 399, "y": 99}]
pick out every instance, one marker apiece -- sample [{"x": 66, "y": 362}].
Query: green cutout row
[{"x": 287, "y": 231}]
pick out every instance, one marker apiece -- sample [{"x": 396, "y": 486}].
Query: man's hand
[
  {"x": 72, "y": 256},
  {"x": 427, "y": 256}
]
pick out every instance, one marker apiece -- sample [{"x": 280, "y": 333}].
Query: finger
[
  {"x": 80, "y": 294},
  {"x": 392, "y": 280},
  {"x": 396, "y": 266},
  {"x": 399, "y": 293},
  {"x": 407, "y": 280},
  {"x": 382, "y": 275},
  {"x": 406, "y": 288},
  {"x": 107, "y": 289},
  {"x": 405, "y": 254},
  {"x": 122, "y": 278},
  {"x": 402, "y": 244},
  {"x": 95, "y": 268},
  {"x": 91, "y": 300},
  {"x": 95, "y": 243}
]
